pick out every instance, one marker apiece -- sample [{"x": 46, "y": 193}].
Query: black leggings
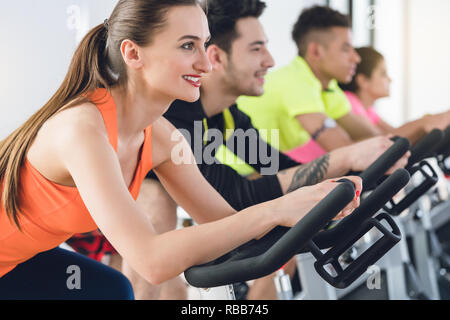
[{"x": 63, "y": 275}]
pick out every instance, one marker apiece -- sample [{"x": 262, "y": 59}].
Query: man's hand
[
  {"x": 439, "y": 121},
  {"x": 365, "y": 153}
]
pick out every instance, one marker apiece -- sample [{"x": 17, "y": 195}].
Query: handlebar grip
[
  {"x": 444, "y": 166},
  {"x": 424, "y": 148},
  {"x": 443, "y": 148},
  {"x": 345, "y": 277},
  {"x": 368, "y": 208},
  {"x": 429, "y": 181},
  {"x": 248, "y": 264},
  {"x": 260, "y": 258},
  {"x": 379, "y": 168}
]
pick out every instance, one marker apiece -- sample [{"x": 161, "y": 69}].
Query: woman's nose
[{"x": 202, "y": 64}]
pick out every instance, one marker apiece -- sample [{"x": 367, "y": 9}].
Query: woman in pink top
[{"x": 372, "y": 82}]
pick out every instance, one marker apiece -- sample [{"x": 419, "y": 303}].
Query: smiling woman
[
  {"x": 107, "y": 58},
  {"x": 371, "y": 83},
  {"x": 78, "y": 164}
]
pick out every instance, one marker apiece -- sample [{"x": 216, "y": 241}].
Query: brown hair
[
  {"x": 223, "y": 16},
  {"x": 370, "y": 58},
  {"x": 97, "y": 63},
  {"x": 316, "y": 18}
]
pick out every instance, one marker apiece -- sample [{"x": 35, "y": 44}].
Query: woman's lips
[{"x": 193, "y": 80}]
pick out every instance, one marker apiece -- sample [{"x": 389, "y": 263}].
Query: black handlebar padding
[
  {"x": 425, "y": 147},
  {"x": 429, "y": 180},
  {"x": 386, "y": 161},
  {"x": 443, "y": 147},
  {"x": 343, "y": 278},
  {"x": 260, "y": 258},
  {"x": 369, "y": 207},
  {"x": 250, "y": 264}
]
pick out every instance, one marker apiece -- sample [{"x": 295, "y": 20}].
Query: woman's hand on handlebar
[
  {"x": 356, "y": 201},
  {"x": 295, "y": 205}
]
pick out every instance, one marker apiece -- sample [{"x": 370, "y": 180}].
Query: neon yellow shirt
[
  {"x": 289, "y": 92},
  {"x": 225, "y": 155}
]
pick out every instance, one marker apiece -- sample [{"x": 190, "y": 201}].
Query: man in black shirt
[
  {"x": 209, "y": 151},
  {"x": 240, "y": 59}
]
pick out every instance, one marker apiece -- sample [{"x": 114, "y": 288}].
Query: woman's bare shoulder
[
  {"x": 83, "y": 115},
  {"x": 163, "y": 126},
  {"x": 163, "y": 131},
  {"x": 164, "y": 138},
  {"x": 80, "y": 124}
]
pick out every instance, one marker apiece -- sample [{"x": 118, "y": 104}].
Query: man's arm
[
  {"x": 239, "y": 191},
  {"x": 356, "y": 128},
  {"x": 329, "y": 166},
  {"x": 329, "y": 138},
  {"x": 357, "y": 157}
]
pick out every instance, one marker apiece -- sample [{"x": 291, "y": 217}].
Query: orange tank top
[{"x": 50, "y": 214}]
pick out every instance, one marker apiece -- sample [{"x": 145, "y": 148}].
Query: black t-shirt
[{"x": 201, "y": 132}]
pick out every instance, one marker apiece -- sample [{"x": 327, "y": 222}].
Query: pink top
[
  {"x": 307, "y": 152},
  {"x": 358, "y": 108}
]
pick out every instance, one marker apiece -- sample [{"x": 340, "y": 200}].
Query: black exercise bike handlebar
[
  {"x": 257, "y": 259},
  {"x": 234, "y": 268},
  {"x": 369, "y": 207},
  {"x": 342, "y": 236},
  {"x": 425, "y": 148},
  {"x": 442, "y": 152},
  {"x": 443, "y": 148},
  {"x": 386, "y": 161}
]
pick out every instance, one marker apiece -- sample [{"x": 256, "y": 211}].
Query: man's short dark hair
[
  {"x": 223, "y": 16},
  {"x": 317, "y": 18}
]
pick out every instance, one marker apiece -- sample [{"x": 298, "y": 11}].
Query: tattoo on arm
[{"x": 310, "y": 174}]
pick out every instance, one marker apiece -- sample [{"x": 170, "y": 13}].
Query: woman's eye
[{"x": 188, "y": 46}]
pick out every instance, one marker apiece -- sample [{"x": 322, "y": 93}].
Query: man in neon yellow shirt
[{"x": 303, "y": 100}]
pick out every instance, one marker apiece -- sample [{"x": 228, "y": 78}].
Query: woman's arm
[
  {"x": 93, "y": 165},
  {"x": 85, "y": 151},
  {"x": 358, "y": 127},
  {"x": 172, "y": 158},
  {"x": 356, "y": 157},
  {"x": 413, "y": 131},
  {"x": 416, "y": 130}
]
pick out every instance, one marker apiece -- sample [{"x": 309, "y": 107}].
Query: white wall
[
  {"x": 362, "y": 22},
  {"x": 278, "y": 21},
  {"x": 414, "y": 37},
  {"x": 37, "y": 42},
  {"x": 390, "y": 21},
  {"x": 340, "y": 5},
  {"x": 429, "y": 51}
]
